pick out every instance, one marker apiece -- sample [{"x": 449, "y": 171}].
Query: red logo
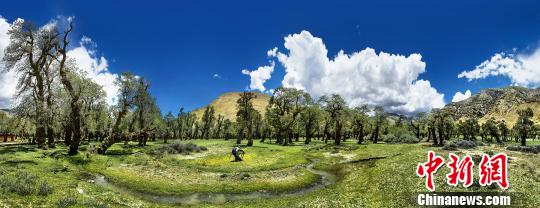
[
  {"x": 491, "y": 170},
  {"x": 429, "y": 168},
  {"x": 460, "y": 171},
  {"x": 494, "y": 170}
]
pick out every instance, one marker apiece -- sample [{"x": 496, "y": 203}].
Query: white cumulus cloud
[
  {"x": 460, "y": 96},
  {"x": 95, "y": 67},
  {"x": 362, "y": 77},
  {"x": 521, "y": 69},
  {"x": 259, "y": 76},
  {"x": 8, "y": 80}
]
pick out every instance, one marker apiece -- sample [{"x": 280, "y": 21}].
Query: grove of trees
[{"x": 56, "y": 101}]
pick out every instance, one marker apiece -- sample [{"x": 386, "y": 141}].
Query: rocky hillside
[
  {"x": 500, "y": 103},
  {"x": 225, "y": 105}
]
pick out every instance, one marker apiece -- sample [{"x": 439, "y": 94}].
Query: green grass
[
  {"x": 261, "y": 157},
  {"x": 372, "y": 175},
  {"x": 392, "y": 182},
  {"x": 271, "y": 168}
]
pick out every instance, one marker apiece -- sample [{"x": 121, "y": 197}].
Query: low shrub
[
  {"x": 527, "y": 149},
  {"x": 178, "y": 148},
  {"x": 462, "y": 144},
  {"x": 451, "y": 147},
  {"x": 389, "y": 138},
  {"x": 66, "y": 201},
  {"x": 20, "y": 183},
  {"x": 401, "y": 138},
  {"x": 44, "y": 189},
  {"x": 23, "y": 184},
  {"x": 93, "y": 203},
  {"x": 23, "y": 189},
  {"x": 119, "y": 152}
]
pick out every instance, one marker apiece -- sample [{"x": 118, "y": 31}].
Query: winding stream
[{"x": 326, "y": 178}]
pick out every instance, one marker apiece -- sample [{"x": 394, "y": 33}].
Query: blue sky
[{"x": 180, "y": 45}]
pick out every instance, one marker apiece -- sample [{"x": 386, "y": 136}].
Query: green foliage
[
  {"x": 336, "y": 110},
  {"x": 246, "y": 116},
  {"x": 400, "y": 135},
  {"x": 469, "y": 129},
  {"x": 524, "y": 124}
]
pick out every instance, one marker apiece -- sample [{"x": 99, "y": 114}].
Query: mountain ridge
[
  {"x": 225, "y": 105},
  {"x": 499, "y": 103}
]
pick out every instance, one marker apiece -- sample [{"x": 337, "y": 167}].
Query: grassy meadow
[{"x": 368, "y": 175}]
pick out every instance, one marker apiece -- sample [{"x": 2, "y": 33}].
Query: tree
[
  {"x": 336, "y": 108},
  {"x": 5, "y": 120},
  {"x": 469, "y": 128},
  {"x": 94, "y": 109},
  {"x": 228, "y": 129},
  {"x": 207, "y": 121},
  {"x": 309, "y": 118},
  {"x": 75, "y": 105},
  {"x": 491, "y": 128},
  {"x": 283, "y": 111},
  {"x": 442, "y": 126},
  {"x": 219, "y": 126},
  {"x": 191, "y": 120},
  {"x": 418, "y": 123},
  {"x": 244, "y": 116},
  {"x": 380, "y": 119},
  {"x": 169, "y": 122},
  {"x": 360, "y": 120},
  {"x": 127, "y": 90},
  {"x": 37, "y": 54},
  {"x": 146, "y": 111},
  {"x": 504, "y": 130},
  {"x": 181, "y": 123},
  {"x": 524, "y": 124},
  {"x": 28, "y": 54}
]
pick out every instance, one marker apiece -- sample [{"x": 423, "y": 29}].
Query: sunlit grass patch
[
  {"x": 260, "y": 157},
  {"x": 266, "y": 167}
]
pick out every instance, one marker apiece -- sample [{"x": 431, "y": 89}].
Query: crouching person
[{"x": 237, "y": 152}]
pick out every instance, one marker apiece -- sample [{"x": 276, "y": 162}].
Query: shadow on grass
[
  {"x": 17, "y": 148},
  {"x": 20, "y": 162}
]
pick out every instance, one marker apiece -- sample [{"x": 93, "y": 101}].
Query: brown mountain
[
  {"x": 225, "y": 105},
  {"x": 499, "y": 103}
]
